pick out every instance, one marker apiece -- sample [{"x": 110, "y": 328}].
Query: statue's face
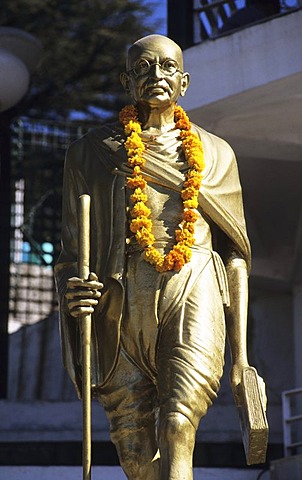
[{"x": 155, "y": 72}]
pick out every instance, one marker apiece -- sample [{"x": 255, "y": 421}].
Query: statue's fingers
[
  {"x": 93, "y": 284},
  {"x": 85, "y": 302},
  {"x": 81, "y": 311},
  {"x": 77, "y": 293},
  {"x": 93, "y": 276},
  {"x": 262, "y": 391},
  {"x": 74, "y": 282}
]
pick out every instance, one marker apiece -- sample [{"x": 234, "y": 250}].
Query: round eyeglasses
[{"x": 142, "y": 67}]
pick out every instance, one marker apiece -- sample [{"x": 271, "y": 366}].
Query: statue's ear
[
  {"x": 184, "y": 83},
  {"x": 125, "y": 81}
]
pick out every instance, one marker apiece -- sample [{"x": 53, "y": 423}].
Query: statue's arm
[
  {"x": 236, "y": 315},
  {"x": 78, "y": 297}
]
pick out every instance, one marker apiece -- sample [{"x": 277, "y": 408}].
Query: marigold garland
[{"x": 141, "y": 224}]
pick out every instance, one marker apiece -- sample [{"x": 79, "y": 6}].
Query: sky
[{"x": 159, "y": 15}]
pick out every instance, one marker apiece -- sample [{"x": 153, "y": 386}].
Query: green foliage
[{"x": 84, "y": 47}]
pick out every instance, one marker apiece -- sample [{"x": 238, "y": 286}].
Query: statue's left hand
[
  {"x": 235, "y": 380},
  {"x": 235, "y": 377}
]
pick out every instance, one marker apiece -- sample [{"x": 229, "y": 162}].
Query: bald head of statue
[
  {"x": 154, "y": 43},
  {"x": 154, "y": 71}
]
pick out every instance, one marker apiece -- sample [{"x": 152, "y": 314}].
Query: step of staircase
[{"x": 115, "y": 473}]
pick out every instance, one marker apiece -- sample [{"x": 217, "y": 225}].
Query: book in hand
[{"x": 251, "y": 408}]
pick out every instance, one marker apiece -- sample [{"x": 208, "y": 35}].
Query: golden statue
[{"x": 169, "y": 244}]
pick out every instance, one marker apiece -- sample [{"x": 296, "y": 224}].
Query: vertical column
[
  {"x": 297, "y": 338},
  {"x": 180, "y": 22},
  {"x": 5, "y": 205},
  {"x": 297, "y": 323}
]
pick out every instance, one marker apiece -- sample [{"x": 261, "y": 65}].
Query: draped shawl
[{"x": 95, "y": 164}]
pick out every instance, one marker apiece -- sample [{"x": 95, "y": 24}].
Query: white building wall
[{"x": 243, "y": 60}]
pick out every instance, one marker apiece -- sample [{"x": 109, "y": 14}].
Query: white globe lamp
[
  {"x": 14, "y": 80},
  {"x": 20, "y": 53}
]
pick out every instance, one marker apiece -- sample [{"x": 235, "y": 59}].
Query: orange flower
[
  {"x": 190, "y": 216},
  {"x": 184, "y": 251},
  {"x": 192, "y": 173},
  {"x": 193, "y": 182},
  {"x": 168, "y": 263},
  {"x": 127, "y": 114},
  {"x": 188, "y": 193},
  {"x": 136, "y": 182},
  {"x": 181, "y": 119},
  {"x": 190, "y": 226}
]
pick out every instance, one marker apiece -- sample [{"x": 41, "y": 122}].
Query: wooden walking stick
[{"x": 83, "y": 272}]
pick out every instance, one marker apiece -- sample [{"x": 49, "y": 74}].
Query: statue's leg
[
  {"x": 176, "y": 441},
  {"x": 129, "y": 400},
  {"x": 190, "y": 356},
  {"x": 138, "y": 455}
]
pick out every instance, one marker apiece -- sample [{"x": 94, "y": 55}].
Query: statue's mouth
[{"x": 157, "y": 88}]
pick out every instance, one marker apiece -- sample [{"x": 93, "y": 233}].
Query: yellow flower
[
  {"x": 138, "y": 196},
  {"x": 140, "y": 209},
  {"x": 193, "y": 203},
  {"x": 185, "y": 237},
  {"x": 132, "y": 126},
  {"x": 144, "y": 237},
  {"x": 134, "y": 142},
  {"x": 140, "y": 223},
  {"x": 136, "y": 160}
]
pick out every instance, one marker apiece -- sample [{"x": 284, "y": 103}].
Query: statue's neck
[{"x": 157, "y": 119}]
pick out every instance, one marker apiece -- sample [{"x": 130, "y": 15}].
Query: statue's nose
[{"x": 156, "y": 70}]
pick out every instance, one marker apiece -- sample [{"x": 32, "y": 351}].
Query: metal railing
[
  {"x": 212, "y": 18},
  {"x": 37, "y": 158},
  {"x": 292, "y": 416}
]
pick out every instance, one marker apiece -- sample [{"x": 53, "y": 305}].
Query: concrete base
[{"x": 115, "y": 473}]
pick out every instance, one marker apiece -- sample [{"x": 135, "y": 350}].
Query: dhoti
[{"x": 172, "y": 345}]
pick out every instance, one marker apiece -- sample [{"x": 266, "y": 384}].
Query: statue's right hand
[{"x": 83, "y": 295}]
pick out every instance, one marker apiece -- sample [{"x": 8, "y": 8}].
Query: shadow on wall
[{"x": 35, "y": 365}]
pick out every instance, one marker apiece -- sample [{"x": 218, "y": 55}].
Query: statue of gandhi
[{"x": 159, "y": 324}]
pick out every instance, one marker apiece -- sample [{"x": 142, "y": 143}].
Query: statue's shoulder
[
  {"x": 218, "y": 154},
  {"x": 101, "y": 144},
  {"x": 209, "y": 140},
  {"x": 108, "y": 137},
  {"x": 107, "y": 134}
]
